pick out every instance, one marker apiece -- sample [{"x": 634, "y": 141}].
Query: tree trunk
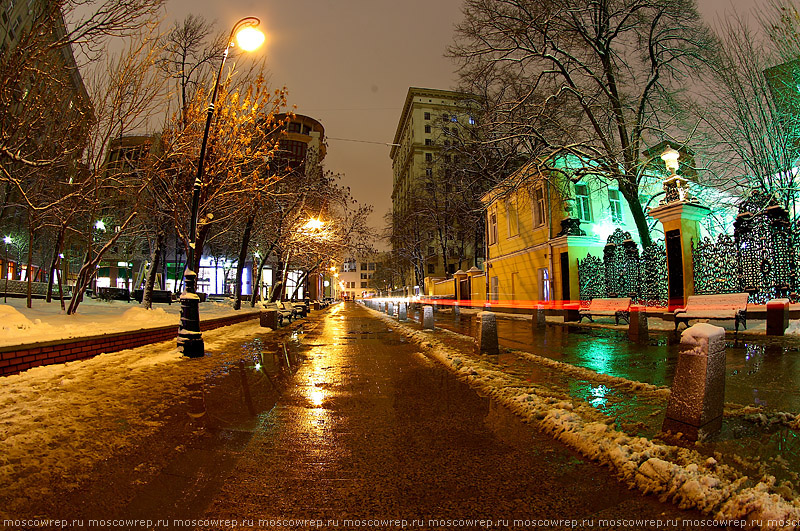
[
  {"x": 248, "y": 227},
  {"x": 155, "y": 258},
  {"x": 257, "y": 280},
  {"x": 89, "y": 268},
  {"x": 303, "y": 278},
  {"x": 639, "y": 218},
  {"x": 277, "y": 287},
  {"x": 54, "y": 261},
  {"x": 30, "y": 266}
]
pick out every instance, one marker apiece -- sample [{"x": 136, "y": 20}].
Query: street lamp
[
  {"x": 190, "y": 340},
  {"x": 7, "y": 240}
]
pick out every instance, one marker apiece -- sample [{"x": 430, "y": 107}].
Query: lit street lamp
[{"x": 190, "y": 340}]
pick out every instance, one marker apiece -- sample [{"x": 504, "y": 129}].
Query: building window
[
  {"x": 445, "y": 117},
  {"x": 492, "y": 228},
  {"x": 364, "y": 276},
  {"x": 428, "y": 129},
  {"x": 454, "y": 119},
  {"x": 363, "y": 266},
  {"x": 427, "y": 116},
  {"x": 363, "y": 284},
  {"x": 616, "y": 205},
  {"x": 428, "y": 172},
  {"x": 582, "y": 206},
  {"x": 428, "y": 157},
  {"x": 349, "y": 265},
  {"x": 372, "y": 266},
  {"x": 472, "y": 120},
  {"x": 428, "y": 142},
  {"x": 431, "y": 251},
  {"x": 512, "y": 218},
  {"x": 539, "y": 217}
]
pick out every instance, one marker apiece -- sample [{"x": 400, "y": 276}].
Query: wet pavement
[
  {"x": 760, "y": 384},
  {"x": 372, "y": 430}
]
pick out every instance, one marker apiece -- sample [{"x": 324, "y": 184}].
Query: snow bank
[
  {"x": 47, "y": 322},
  {"x": 59, "y": 421},
  {"x": 679, "y": 475}
]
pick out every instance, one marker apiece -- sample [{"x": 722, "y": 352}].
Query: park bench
[
  {"x": 618, "y": 308},
  {"x": 158, "y": 296},
  {"x": 116, "y": 294},
  {"x": 284, "y": 311},
  {"x": 724, "y": 306}
]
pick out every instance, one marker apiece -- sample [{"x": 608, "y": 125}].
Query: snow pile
[
  {"x": 58, "y": 421},
  {"x": 794, "y": 329},
  {"x": 15, "y": 327},
  {"x": 679, "y": 475},
  {"x": 47, "y": 322}
]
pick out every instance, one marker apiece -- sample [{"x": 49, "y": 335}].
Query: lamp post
[
  {"x": 190, "y": 340},
  {"x": 7, "y": 240}
]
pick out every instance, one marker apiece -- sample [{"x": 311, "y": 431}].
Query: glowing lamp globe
[
  {"x": 249, "y": 38},
  {"x": 670, "y": 158}
]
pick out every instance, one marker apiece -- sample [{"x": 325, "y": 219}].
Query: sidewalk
[{"x": 375, "y": 434}]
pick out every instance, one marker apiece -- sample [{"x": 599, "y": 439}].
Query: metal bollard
[
  {"x": 698, "y": 391},
  {"x": 402, "y": 311},
  {"x": 486, "y": 338},
  {"x": 427, "y": 318},
  {"x": 456, "y": 310},
  {"x": 390, "y": 309}
]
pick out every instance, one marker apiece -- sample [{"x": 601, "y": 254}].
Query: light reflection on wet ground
[
  {"x": 760, "y": 372},
  {"x": 372, "y": 429}
]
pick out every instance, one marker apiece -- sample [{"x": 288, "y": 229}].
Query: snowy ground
[
  {"x": 47, "y": 322},
  {"x": 682, "y": 475},
  {"x": 59, "y": 421}
]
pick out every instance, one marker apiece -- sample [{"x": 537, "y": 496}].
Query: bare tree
[
  {"x": 751, "y": 108},
  {"x": 581, "y": 85}
]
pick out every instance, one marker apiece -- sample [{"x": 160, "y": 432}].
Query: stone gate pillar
[{"x": 680, "y": 220}]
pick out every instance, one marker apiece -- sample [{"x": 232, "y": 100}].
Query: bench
[
  {"x": 618, "y": 308},
  {"x": 158, "y": 296},
  {"x": 116, "y": 294},
  {"x": 283, "y": 309},
  {"x": 724, "y": 306}
]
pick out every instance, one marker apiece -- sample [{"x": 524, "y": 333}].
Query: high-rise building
[{"x": 432, "y": 124}]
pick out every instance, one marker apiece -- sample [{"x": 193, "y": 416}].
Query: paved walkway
[{"x": 374, "y": 431}]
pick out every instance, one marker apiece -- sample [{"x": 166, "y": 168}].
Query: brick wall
[{"x": 17, "y": 358}]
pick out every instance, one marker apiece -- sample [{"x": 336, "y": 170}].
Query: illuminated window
[
  {"x": 616, "y": 205},
  {"x": 582, "y": 205}
]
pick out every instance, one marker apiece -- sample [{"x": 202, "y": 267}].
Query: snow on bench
[
  {"x": 616, "y": 308},
  {"x": 724, "y": 306}
]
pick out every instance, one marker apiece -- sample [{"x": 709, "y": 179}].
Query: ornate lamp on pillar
[{"x": 679, "y": 214}]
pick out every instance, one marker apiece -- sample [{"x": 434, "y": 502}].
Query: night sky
[{"x": 349, "y": 63}]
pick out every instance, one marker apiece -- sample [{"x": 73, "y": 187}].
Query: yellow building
[{"x": 534, "y": 244}]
